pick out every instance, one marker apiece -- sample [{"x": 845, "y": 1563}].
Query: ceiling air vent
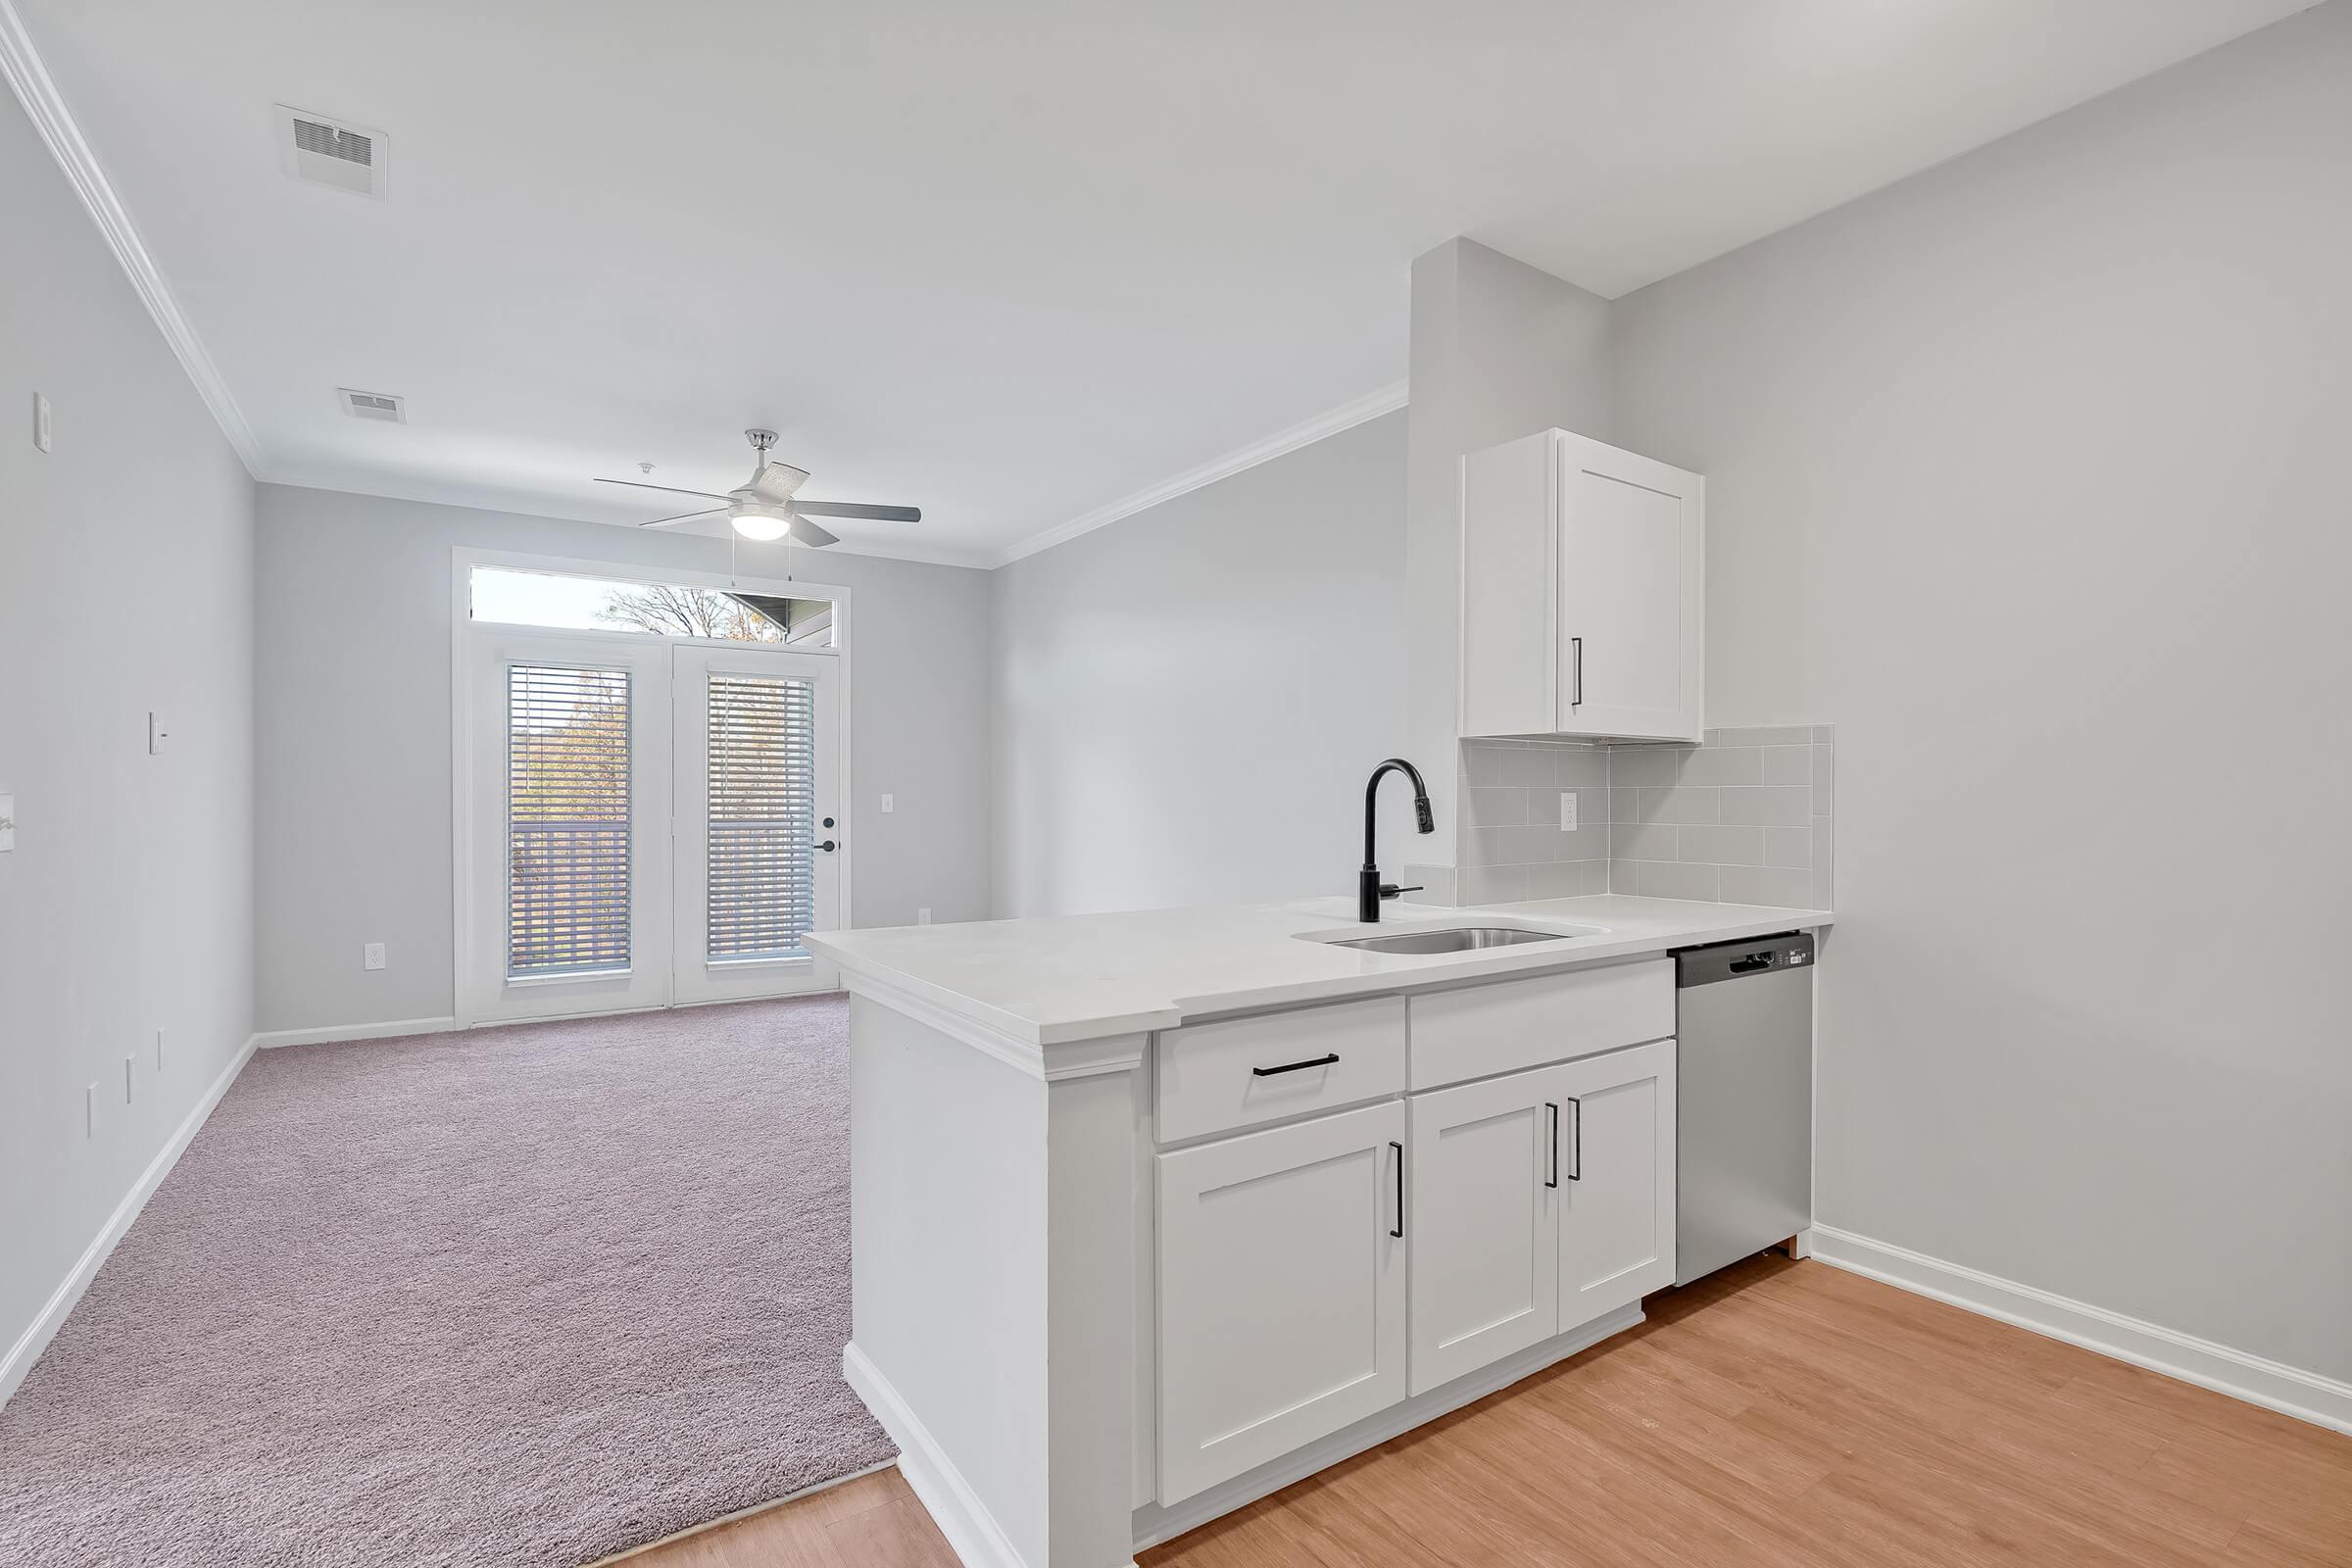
[
  {"x": 372, "y": 406},
  {"x": 320, "y": 151}
]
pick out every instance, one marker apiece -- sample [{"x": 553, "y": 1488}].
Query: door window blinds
[
  {"x": 762, "y": 873},
  {"x": 567, "y": 820}
]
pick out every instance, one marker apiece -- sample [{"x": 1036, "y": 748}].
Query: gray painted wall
[
  {"x": 1500, "y": 350},
  {"x": 128, "y": 903},
  {"x": 1189, "y": 701},
  {"x": 353, "y": 740},
  {"x": 2028, "y": 473}
]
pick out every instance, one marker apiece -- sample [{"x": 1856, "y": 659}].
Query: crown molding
[
  {"x": 1388, "y": 400},
  {"x": 459, "y": 498},
  {"x": 21, "y": 64}
]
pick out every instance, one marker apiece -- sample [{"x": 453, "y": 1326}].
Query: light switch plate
[
  {"x": 371, "y": 956},
  {"x": 1567, "y": 811},
  {"x": 43, "y": 432},
  {"x": 157, "y": 735},
  {"x": 890, "y": 803},
  {"x": 7, "y": 822}
]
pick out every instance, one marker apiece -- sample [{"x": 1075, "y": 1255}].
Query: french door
[
  {"x": 648, "y": 823},
  {"x": 756, "y": 837}
]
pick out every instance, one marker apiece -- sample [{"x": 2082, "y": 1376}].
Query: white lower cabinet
[
  {"x": 1282, "y": 1291},
  {"x": 1483, "y": 1222},
  {"x": 1539, "y": 1201},
  {"x": 1510, "y": 1210},
  {"x": 1617, "y": 1181}
]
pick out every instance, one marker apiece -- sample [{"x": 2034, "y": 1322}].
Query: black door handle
[
  {"x": 1400, "y": 1147},
  {"x": 1294, "y": 1066},
  {"x": 828, "y": 845}
]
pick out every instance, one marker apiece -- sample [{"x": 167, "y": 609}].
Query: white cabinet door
[
  {"x": 1282, "y": 1291},
  {"x": 1617, "y": 1181},
  {"x": 1583, "y": 581},
  {"x": 1632, "y": 575},
  {"x": 1483, "y": 1222}
]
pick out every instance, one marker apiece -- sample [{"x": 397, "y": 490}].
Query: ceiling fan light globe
[{"x": 760, "y": 523}]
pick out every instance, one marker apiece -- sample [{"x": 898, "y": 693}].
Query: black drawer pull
[{"x": 1294, "y": 1066}]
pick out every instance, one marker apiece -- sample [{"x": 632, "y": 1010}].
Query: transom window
[{"x": 567, "y": 603}]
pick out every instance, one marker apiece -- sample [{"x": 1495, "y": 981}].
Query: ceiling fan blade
[
  {"x": 672, "y": 488},
  {"x": 809, "y": 533},
  {"x": 776, "y": 481},
  {"x": 683, "y": 517},
  {"x": 859, "y": 509}
]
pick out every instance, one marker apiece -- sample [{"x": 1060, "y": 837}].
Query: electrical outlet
[
  {"x": 130, "y": 1069},
  {"x": 7, "y": 822},
  {"x": 922, "y": 916},
  {"x": 43, "y": 432},
  {"x": 890, "y": 803},
  {"x": 1567, "y": 811},
  {"x": 371, "y": 956}
]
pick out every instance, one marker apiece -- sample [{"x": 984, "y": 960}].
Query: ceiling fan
[{"x": 767, "y": 506}]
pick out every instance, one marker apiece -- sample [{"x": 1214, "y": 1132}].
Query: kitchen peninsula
[{"x": 1156, "y": 1212}]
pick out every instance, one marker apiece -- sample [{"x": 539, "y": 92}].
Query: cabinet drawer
[
  {"x": 1213, "y": 1077},
  {"x": 1511, "y": 1024}
]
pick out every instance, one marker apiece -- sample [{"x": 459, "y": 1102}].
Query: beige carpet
[{"x": 525, "y": 1296}]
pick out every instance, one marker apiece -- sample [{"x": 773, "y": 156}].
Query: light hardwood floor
[{"x": 1779, "y": 1413}]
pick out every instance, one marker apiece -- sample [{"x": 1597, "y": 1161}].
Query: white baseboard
[
  {"x": 2272, "y": 1385},
  {"x": 35, "y": 1339},
  {"x": 973, "y": 1533},
  {"x": 1154, "y": 1524},
  {"x": 353, "y": 1031}
]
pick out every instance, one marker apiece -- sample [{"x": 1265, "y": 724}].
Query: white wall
[
  {"x": 2028, "y": 473},
  {"x": 1190, "y": 699},
  {"x": 354, "y": 741},
  {"x": 125, "y": 585}
]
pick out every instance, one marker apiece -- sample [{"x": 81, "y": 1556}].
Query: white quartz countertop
[{"x": 1086, "y": 976}]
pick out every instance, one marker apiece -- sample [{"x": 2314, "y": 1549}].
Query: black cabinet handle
[
  {"x": 1555, "y": 1144},
  {"x": 1400, "y": 1147},
  {"x": 1576, "y": 1137},
  {"x": 1576, "y": 687},
  {"x": 1294, "y": 1066}
]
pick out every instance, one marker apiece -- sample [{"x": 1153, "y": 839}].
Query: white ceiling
[{"x": 1010, "y": 263}]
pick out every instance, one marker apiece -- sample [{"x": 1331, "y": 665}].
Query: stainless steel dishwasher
[{"x": 1743, "y": 1100}]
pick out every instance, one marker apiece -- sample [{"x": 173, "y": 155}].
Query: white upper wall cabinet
[{"x": 1583, "y": 581}]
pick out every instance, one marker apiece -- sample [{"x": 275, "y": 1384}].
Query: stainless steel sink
[{"x": 1458, "y": 939}]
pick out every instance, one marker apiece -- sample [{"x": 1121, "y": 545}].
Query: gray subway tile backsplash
[
  {"x": 1490, "y": 884},
  {"x": 1489, "y": 806},
  {"x": 1674, "y": 879},
  {"x": 1721, "y": 764},
  {"x": 1644, "y": 841},
  {"x": 1788, "y": 848},
  {"x": 1720, "y": 845},
  {"x": 1741, "y": 818},
  {"x": 1567, "y": 879},
  {"x": 1767, "y": 804}
]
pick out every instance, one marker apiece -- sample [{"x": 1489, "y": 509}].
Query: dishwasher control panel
[{"x": 1730, "y": 960}]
